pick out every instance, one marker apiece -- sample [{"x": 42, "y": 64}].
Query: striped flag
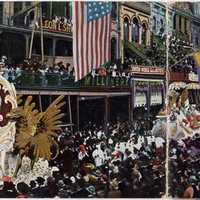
[
  {"x": 91, "y": 36},
  {"x": 196, "y": 56}
]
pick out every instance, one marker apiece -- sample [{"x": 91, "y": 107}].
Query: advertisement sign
[
  {"x": 193, "y": 77},
  {"x": 139, "y": 69},
  {"x": 57, "y": 26}
]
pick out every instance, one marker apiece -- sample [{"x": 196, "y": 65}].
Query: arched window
[
  {"x": 154, "y": 23},
  {"x": 135, "y": 31},
  {"x": 174, "y": 21},
  {"x": 161, "y": 23},
  {"x": 113, "y": 48},
  {"x": 144, "y": 34},
  {"x": 161, "y": 26},
  {"x": 126, "y": 29}
]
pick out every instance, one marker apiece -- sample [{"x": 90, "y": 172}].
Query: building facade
[
  {"x": 196, "y": 25},
  {"x": 158, "y": 18}
]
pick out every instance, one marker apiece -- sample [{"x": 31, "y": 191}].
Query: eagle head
[{"x": 14, "y": 114}]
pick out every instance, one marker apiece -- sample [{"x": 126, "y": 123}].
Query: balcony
[
  {"x": 56, "y": 81},
  {"x": 179, "y": 76}
]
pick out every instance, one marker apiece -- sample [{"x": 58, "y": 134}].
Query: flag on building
[
  {"x": 91, "y": 36},
  {"x": 196, "y": 56}
]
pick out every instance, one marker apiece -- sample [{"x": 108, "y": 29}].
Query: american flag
[{"x": 91, "y": 36}]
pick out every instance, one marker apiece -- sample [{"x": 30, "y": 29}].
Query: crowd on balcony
[
  {"x": 113, "y": 71},
  {"x": 184, "y": 167},
  {"x": 92, "y": 163}
]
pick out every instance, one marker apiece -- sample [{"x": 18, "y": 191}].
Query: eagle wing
[
  {"x": 26, "y": 126},
  {"x": 47, "y": 129}
]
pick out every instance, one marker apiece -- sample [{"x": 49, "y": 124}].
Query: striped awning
[{"x": 177, "y": 85}]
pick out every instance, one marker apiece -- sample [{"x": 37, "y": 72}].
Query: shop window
[
  {"x": 135, "y": 31},
  {"x": 63, "y": 48},
  {"x": 126, "y": 29},
  {"x": 144, "y": 34}
]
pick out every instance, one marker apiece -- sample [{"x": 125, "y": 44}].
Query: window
[
  {"x": 154, "y": 24},
  {"x": 63, "y": 48},
  {"x": 180, "y": 25},
  {"x": 161, "y": 26},
  {"x": 48, "y": 46},
  {"x": 1, "y": 12},
  {"x": 144, "y": 34},
  {"x": 185, "y": 25},
  {"x": 135, "y": 30},
  {"x": 174, "y": 21},
  {"x": 161, "y": 23},
  {"x": 196, "y": 41},
  {"x": 59, "y": 9},
  {"x": 114, "y": 11},
  {"x": 18, "y": 7},
  {"x": 27, "y": 4},
  {"x": 113, "y": 48},
  {"x": 126, "y": 29}
]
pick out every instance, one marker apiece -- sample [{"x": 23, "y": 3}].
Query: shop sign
[
  {"x": 193, "y": 77},
  {"x": 139, "y": 69},
  {"x": 59, "y": 26}
]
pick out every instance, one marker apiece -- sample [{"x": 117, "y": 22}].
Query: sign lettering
[
  {"x": 139, "y": 69},
  {"x": 59, "y": 26}
]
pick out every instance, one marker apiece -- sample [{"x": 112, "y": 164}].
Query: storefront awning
[
  {"x": 193, "y": 86},
  {"x": 177, "y": 85}
]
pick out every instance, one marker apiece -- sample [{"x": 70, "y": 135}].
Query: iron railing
[{"x": 58, "y": 81}]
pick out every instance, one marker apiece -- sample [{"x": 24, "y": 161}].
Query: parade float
[
  {"x": 180, "y": 117},
  {"x": 27, "y": 136}
]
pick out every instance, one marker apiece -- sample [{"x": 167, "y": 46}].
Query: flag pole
[
  {"x": 33, "y": 32},
  {"x": 167, "y": 87},
  {"x": 42, "y": 34}
]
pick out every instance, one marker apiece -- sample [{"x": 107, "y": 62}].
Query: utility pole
[
  {"x": 33, "y": 31},
  {"x": 42, "y": 35}
]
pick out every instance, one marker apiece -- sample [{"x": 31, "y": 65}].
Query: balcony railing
[{"x": 57, "y": 81}]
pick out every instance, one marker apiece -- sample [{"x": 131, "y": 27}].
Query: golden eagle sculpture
[{"x": 36, "y": 131}]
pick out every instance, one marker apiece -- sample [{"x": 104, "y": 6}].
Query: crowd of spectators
[
  {"x": 184, "y": 167},
  {"x": 32, "y": 66},
  {"x": 122, "y": 162}
]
